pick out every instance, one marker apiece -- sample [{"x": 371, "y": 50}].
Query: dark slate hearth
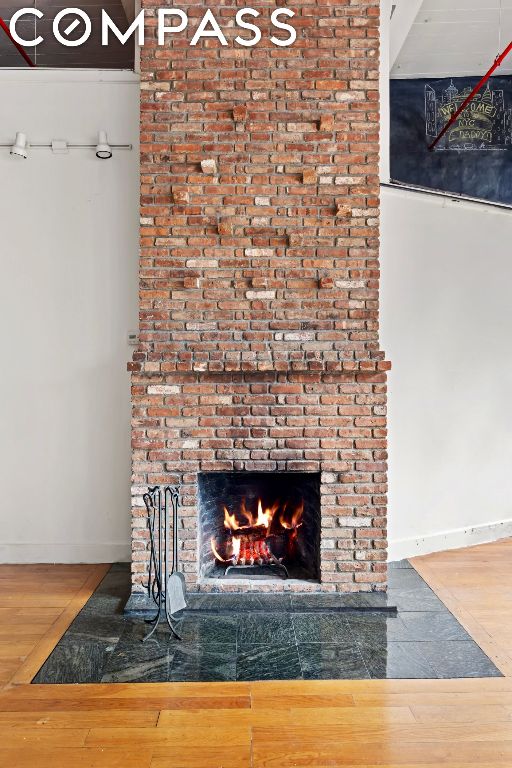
[
  {"x": 408, "y": 633},
  {"x": 396, "y": 660},
  {"x": 376, "y": 601},
  {"x": 234, "y": 603},
  {"x": 459, "y": 658},
  {"x": 376, "y": 628},
  {"x": 219, "y": 630},
  {"x": 134, "y": 661},
  {"x": 419, "y": 599},
  {"x": 321, "y": 628},
  {"x": 76, "y": 660},
  {"x": 207, "y": 604},
  {"x": 322, "y": 661},
  {"x": 209, "y": 663},
  {"x": 266, "y": 628},
  {"x": 268, "y": 662},
  {"x": 437, "y": 627}
]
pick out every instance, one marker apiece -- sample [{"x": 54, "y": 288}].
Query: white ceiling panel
[
  {"x": 441, "y": 5},
  {"x": 458, "y": 16},
  {"x": 456, "y": 38}
]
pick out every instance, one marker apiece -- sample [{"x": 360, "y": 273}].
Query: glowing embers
[{"x": 266, "y": 536}]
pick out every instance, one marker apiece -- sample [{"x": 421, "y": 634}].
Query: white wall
[
  {"x": 446, "y": 316},
  {"x": 68, "y": 296}
]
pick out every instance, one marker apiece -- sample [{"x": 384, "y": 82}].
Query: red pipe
[
  {"x": 18, "y": 47},
  {"x": 497, "y": 62}
]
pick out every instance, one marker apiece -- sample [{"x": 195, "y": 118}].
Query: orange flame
[
  {"x": 230, "y": 521},
  {"x": 296, "y": 518},
  {"x": 217, "y": 556},
  {"x": 235, "y": 547},
  {"x": 263, "y": 517},
  {"x": 246, "y": 513}
]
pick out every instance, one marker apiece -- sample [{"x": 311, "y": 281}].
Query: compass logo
[{"x": 170, "y": 21}]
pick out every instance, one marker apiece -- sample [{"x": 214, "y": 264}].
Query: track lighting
[
  {"x": 59, "y": 147},
  {"x": 103, "y": 150},
  {"x": 19, "y": 148}
]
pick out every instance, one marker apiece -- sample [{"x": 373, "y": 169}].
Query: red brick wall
[{"x": 259, "y": 284}]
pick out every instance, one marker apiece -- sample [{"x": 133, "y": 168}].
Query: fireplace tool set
[{"x": 166, "y": 588}]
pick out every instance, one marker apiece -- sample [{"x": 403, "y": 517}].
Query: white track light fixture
[
  {"x": 103, "y": 150},
  {"x": 19, "y": 148}
]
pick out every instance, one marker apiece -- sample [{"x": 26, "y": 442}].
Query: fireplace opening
[{"x": 259, "y": 525}]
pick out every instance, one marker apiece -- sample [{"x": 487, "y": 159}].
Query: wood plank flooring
[
  {"x": 384, "y": 723},
  {"x": 476, "y": 585}
]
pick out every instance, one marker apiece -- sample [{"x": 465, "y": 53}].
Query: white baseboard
[
  {"x": 110, "y": 552},
  {"x": 454, "y": 539}
]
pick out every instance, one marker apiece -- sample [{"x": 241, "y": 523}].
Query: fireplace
[
  {"x": 259, "y": 525},
  {"x": 259, "y": 375}
]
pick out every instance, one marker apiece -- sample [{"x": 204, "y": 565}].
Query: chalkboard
[{"x": 474, "y": 158}]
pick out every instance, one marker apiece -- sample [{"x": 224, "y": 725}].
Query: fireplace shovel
[{"x": 176, "y": 581}]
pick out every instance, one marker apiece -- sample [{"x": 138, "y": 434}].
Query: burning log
[
  {"x": 257, "y": 531},
  {"x": 248, "y": 544}
]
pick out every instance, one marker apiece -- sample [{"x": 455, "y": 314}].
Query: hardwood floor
[
  {"x": 37, "y": 604},
  {"x": 385, "y": 723},
  {"x": 476, "y": 585}
]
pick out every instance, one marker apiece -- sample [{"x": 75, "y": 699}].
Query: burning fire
[
  {"x": 248, "y": 542},
  {"x": 263, "y": 518}
]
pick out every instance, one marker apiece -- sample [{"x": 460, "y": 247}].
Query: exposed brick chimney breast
[{"x": 259, "y": 275}]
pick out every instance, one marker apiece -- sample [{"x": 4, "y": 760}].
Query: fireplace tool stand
[{"x": 157, "y": 506}]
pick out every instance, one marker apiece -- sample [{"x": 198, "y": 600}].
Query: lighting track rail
[
  {"x": 53, "y": 144},
  {"x": 102, "y": 148}
]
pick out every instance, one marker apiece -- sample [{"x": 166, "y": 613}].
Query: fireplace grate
[
  {"x": 257, "y": 571},
  {"x": 259, "y": 525}
]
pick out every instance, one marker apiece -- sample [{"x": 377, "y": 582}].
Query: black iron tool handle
[
  {"x": 175, "y": 537},
  {"x": 173, "y": 493},
  {"x": 152, "y": 515}
]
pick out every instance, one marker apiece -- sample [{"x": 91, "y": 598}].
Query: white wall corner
[{"x": 455, "y": 539}]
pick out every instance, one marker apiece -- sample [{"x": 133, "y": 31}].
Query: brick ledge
[{"x": 303, "y": 366}]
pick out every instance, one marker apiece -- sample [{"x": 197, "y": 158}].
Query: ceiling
[
  {"x": 90, "y": 55},
  {"x": 452, "y": 38}
]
